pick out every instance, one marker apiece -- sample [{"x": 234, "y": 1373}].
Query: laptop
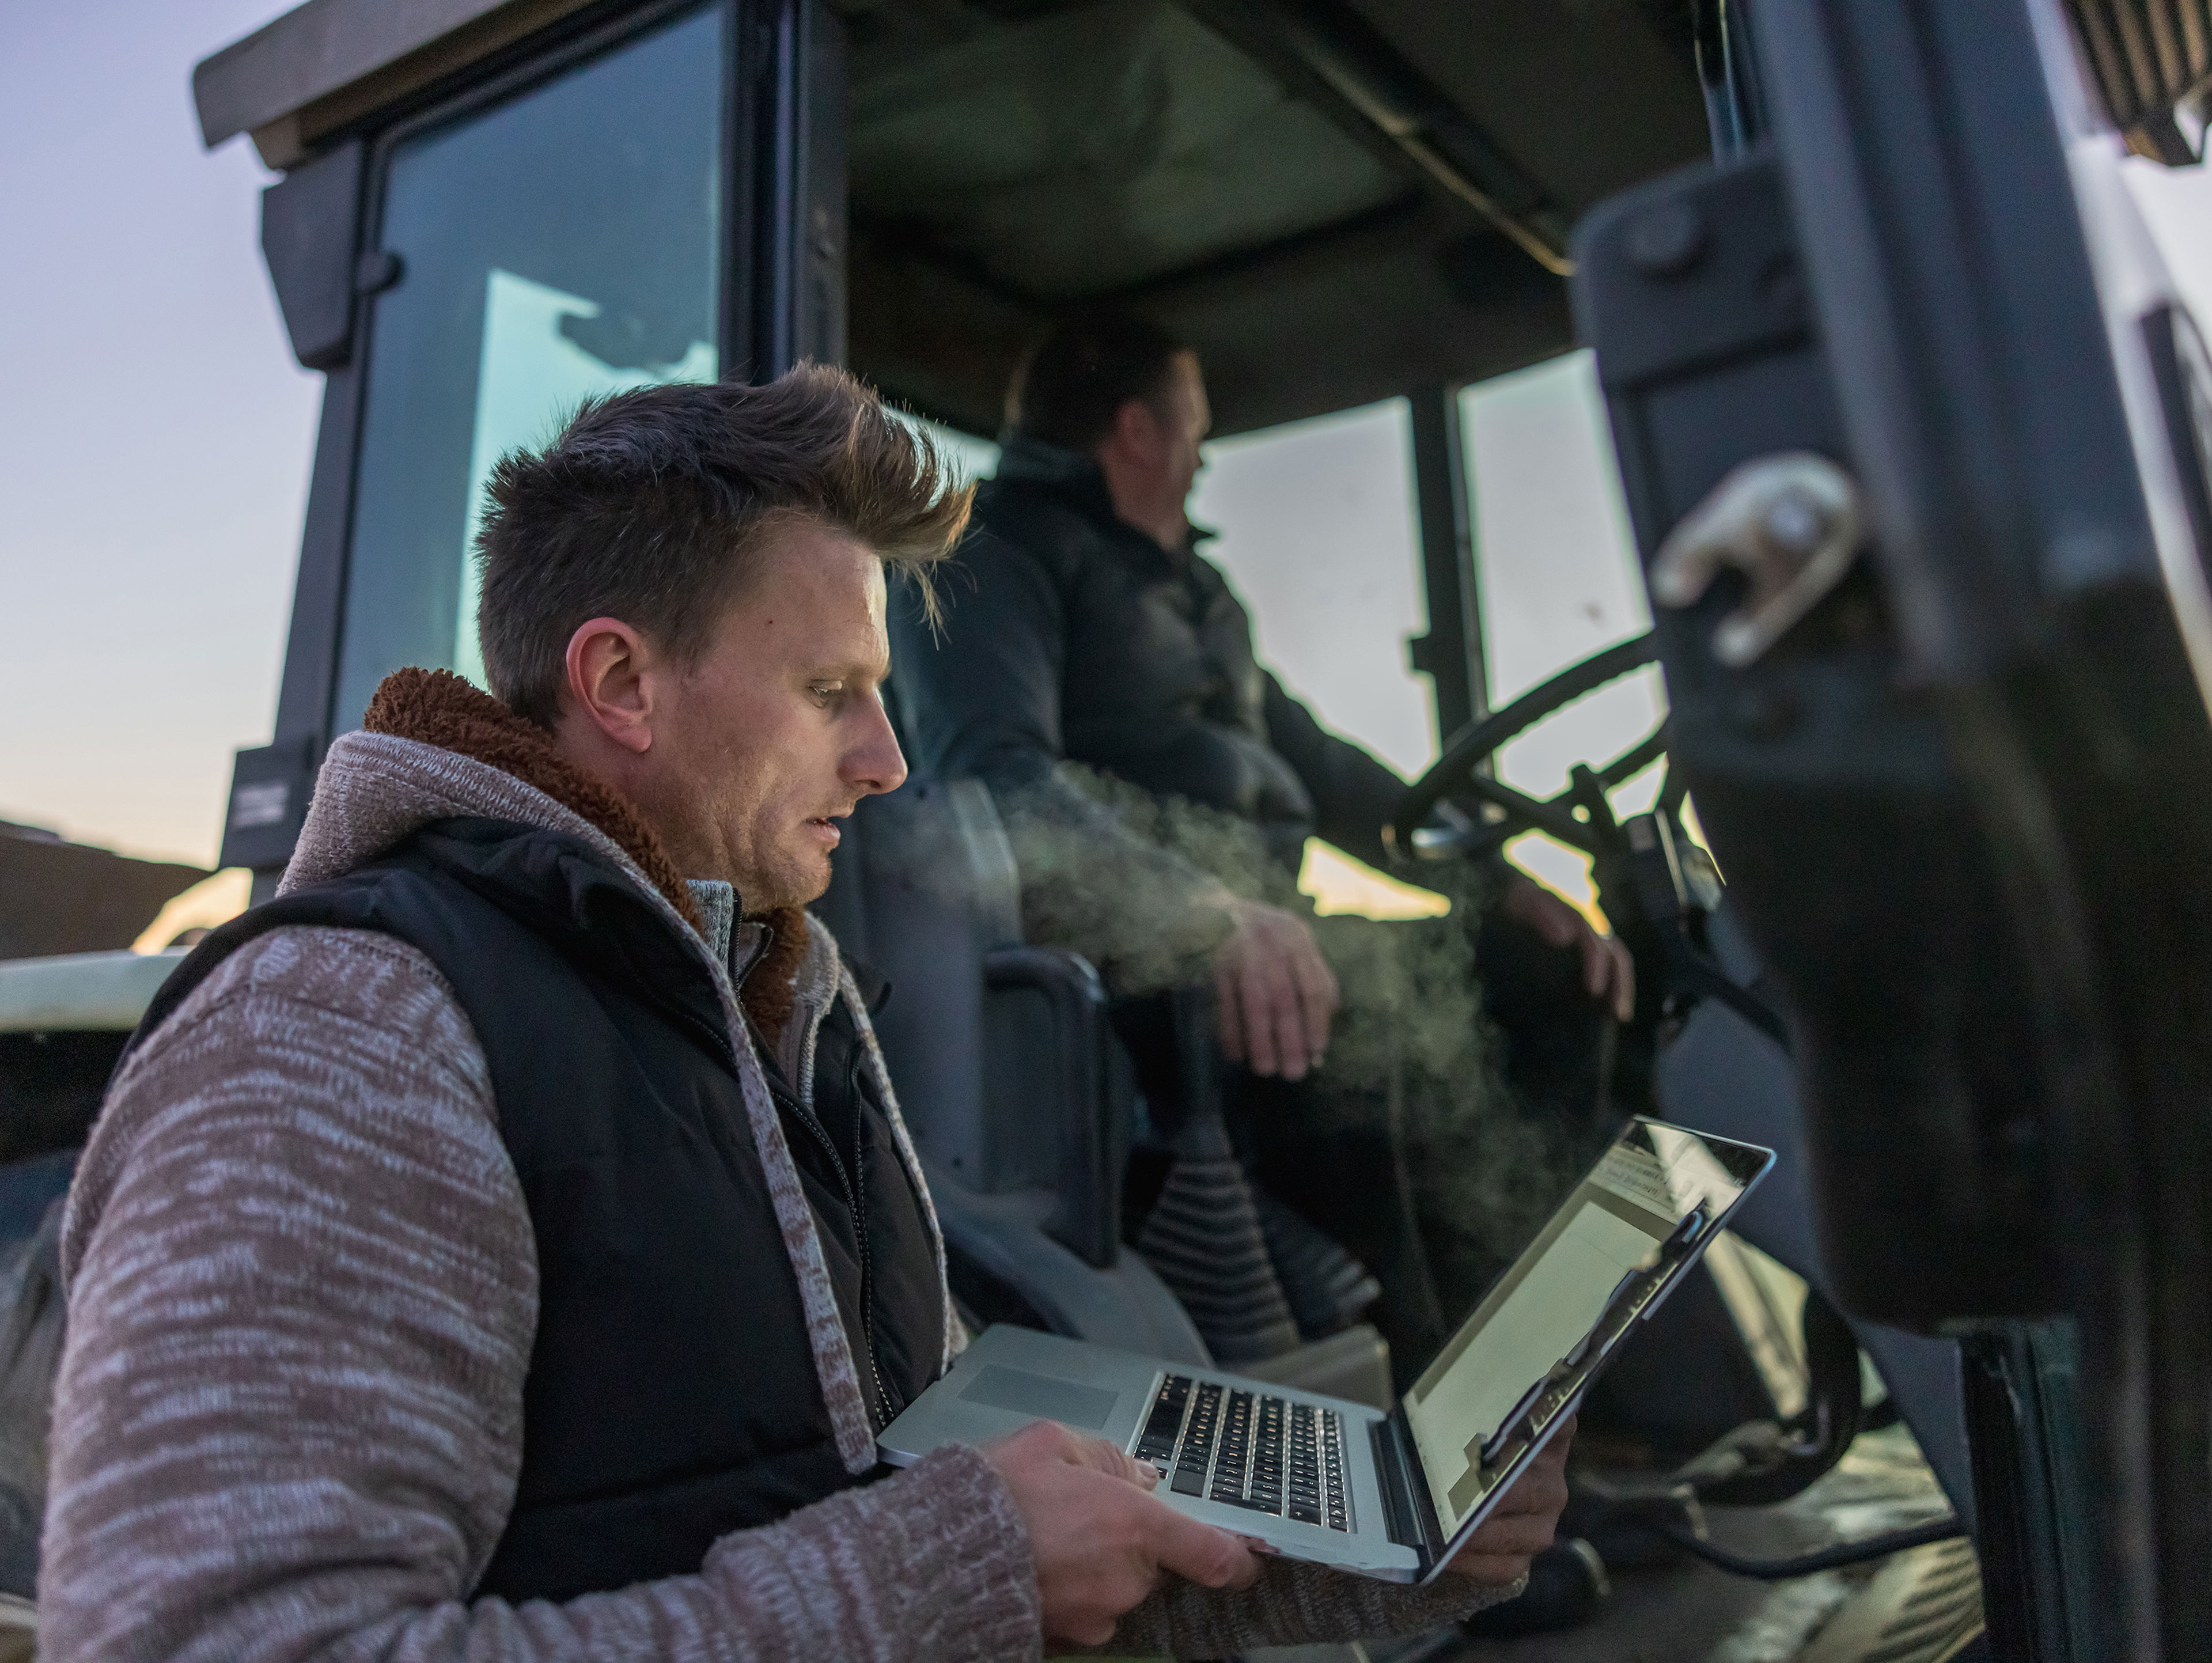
[{"x": 1339, "y": 1482}]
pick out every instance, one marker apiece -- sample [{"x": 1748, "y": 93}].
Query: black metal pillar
[
  {"x": 1452, "y": 654},
  {"x": 787, "y": 200},
  {"x": 1988, "y": 925},
  {"x": 1931, "y": 155},
  {"x": 2023, "y": 1429}
]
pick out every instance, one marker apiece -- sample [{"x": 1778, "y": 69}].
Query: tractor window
[
  {"x": 1557, "y": 564},
  {"x": 971, "y": 458},
  {"x": 1315, "y": 524},
  {"x": 1316, "y": 531},
  {"x": 560, "y": 245}
]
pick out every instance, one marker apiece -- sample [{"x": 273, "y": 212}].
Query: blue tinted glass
[{"x": 559, "y": 245}]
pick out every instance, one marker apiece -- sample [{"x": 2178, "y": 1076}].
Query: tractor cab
[{"x": 1877, "y": 695}]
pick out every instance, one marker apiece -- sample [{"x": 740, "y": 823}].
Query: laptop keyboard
[{"x": 1246, "y": 1450}]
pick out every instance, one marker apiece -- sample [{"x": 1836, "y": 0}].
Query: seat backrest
[
  {"x": 923, "y": 889},
  {"x": 1006, "y": 1068}
]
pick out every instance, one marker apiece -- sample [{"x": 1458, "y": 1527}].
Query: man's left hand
[
  {"x": 1522, "y": 1527},
  {"x": 1607, "y": 969}
]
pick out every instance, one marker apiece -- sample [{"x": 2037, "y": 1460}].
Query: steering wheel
[
  {"x": 1656, "y": 886},
  {"x": 1430, "y": 825}
]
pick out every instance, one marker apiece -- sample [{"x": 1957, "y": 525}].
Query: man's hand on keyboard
[
  {"x": 1521, "y": 1527},
  {"x": 1099, "y": 1541}
]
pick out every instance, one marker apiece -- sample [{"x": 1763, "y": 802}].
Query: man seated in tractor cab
[{"x": 1085, "y": 628}]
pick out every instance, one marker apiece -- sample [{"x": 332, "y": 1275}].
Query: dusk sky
[{"x": 154, "y": 450}]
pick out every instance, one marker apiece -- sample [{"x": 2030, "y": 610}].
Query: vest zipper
[
  {"x": 867, "y": 1248},
  {"x": 856, "y": 1188},
  {"x": 856, "y": 1207}
]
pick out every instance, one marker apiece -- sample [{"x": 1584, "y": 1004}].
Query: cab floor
[{"x": 1688, "y": 1611}]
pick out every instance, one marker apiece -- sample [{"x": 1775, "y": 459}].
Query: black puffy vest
[{"x": 671, "y": 1395}]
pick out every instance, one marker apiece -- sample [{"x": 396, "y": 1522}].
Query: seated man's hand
[
  {"x": 1499, "y": 1551},
  {"x": 1099, "y": 1541},
  {"x": 1607, "y": 969},
  {"x": 1276, "y": 994}
]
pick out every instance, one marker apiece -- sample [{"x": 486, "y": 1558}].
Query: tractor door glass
[
  {"x": 1556, "y": 565},
  {"x": 559, "y": 245},
  {"x": 1315, "y": 528}
]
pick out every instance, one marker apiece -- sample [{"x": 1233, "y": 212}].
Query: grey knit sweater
[{"x": 302, "y": 1291}]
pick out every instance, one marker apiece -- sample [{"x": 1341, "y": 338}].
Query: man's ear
[
  {"x": 1136, "y": 430},
  {"x": 608, "y": 684}
]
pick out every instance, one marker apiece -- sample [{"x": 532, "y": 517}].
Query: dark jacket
[
  {"x": 671, "y": 1395},
  {"x": 1071, "y": 634}
]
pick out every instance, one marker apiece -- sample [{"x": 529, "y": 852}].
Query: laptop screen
[{"x": 1601, "y": 1257}]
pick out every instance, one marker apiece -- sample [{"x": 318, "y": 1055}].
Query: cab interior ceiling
[{"x": 1333, "y": 201}]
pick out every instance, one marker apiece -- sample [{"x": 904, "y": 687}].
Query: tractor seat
[{"x": 1018, "y": 1096}]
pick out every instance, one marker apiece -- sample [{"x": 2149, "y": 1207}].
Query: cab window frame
[{"x": 307, "y": 721}]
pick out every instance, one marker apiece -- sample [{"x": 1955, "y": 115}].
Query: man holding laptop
[
  {"x": 1399, "y": 1497},
  {"x": 505, "y": 1244}
]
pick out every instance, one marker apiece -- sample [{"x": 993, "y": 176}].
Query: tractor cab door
[
  {"x": 657, "y": 197},
  {"x": 1914, "y": 434}
]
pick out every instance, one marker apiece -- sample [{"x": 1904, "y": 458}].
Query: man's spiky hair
[{"x": 654, "y": 507}]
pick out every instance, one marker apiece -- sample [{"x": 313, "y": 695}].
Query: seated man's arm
[
  {"x": 980, "y": 696},
  {"x": 288, "y": 1425},
  {"x": 980, "y": 691},
  {"x": 1353, "y": 793},
  {"x": 982, "y": 700}
]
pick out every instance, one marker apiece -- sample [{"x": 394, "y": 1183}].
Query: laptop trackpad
[{"x": 1024, "y": 1393}]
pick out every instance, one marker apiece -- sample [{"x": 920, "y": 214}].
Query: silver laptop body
[{"x": 1389, "y": 1495}]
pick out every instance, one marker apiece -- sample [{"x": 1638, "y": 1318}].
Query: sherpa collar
[{"x": 437, "y": 708}]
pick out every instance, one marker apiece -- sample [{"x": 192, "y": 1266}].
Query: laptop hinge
[{"x": 1403, "y": 1515}]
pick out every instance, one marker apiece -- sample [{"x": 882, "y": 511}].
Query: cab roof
[{"x": 1333, "y": 200}]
